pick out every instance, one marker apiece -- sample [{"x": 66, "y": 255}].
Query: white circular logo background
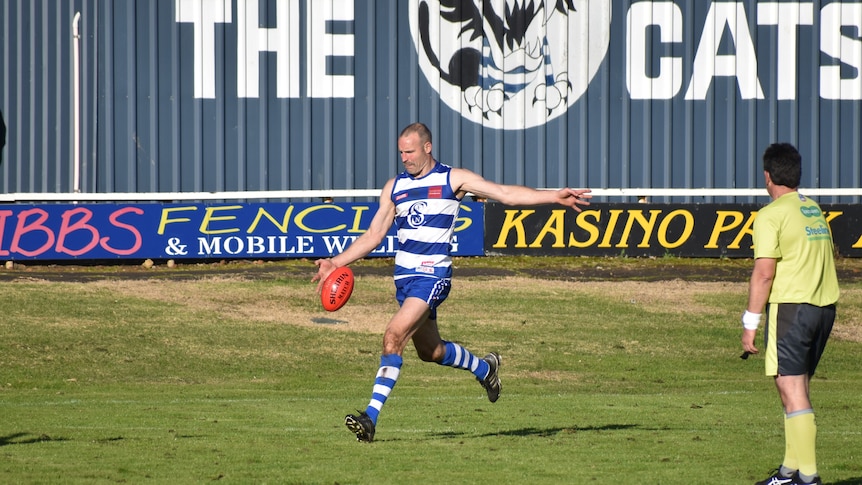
[{"x": 515, "y": 67}]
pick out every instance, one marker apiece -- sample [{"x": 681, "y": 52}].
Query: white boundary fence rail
[{"x": 361, "y": 193}]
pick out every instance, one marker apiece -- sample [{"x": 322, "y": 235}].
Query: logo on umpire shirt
[{"x": 510, "y": 64}]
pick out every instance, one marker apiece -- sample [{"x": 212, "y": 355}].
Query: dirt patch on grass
[
  {"x": 286, "y": 293},
  {"x": 271, "y": 303},
  {"x": 298, "y": 304},
  {"x": 848, "y": 321},
  {"x": 671, "y": 296}
]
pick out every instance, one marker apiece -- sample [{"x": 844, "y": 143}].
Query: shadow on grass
[
  {"x": 327, "y": 321},
  {"x": 15, "y": 439},
  {"x": 849, "y": 481},
  {"x": 539, "y": 432}
]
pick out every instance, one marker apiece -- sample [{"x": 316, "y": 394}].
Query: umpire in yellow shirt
[{"x": 794, "y": 274}]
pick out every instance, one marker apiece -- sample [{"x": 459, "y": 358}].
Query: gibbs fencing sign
[{"x": 202, "y": 231}]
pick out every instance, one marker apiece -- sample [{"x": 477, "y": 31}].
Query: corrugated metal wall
[{"x": 150, "y": 123}]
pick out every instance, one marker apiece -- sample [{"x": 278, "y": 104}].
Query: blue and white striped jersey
[{"x": 425, "y": 213}]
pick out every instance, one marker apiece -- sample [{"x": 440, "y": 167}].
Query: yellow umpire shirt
[{"x": 793, "y": 231}]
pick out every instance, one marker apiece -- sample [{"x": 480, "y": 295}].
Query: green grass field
[{"x": 247, "y": 380}]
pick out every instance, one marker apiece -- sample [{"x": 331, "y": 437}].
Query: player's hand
[
  {"x": 574, "y": 198},
  {"x": 748, "y": 341},
  {"x": 324, "y": 267}
]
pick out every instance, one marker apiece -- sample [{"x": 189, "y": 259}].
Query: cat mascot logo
[{"x": 510, "y": 64}]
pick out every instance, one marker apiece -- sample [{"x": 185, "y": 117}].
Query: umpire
[{"x": 794, "y": 279}]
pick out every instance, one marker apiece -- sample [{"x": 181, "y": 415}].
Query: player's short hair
[
  {"x": 783, "y": 163},
  {"x": 418, "y": 128}
]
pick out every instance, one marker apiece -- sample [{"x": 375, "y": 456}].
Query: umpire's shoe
[
  {"x": 491, "y": 382},
  {"x": 361, "y": 426}
]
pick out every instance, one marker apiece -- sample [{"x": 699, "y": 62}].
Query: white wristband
[{"x": 750, "y": 321}]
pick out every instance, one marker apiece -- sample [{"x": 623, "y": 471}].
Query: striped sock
[
  {"x": 387, "y": 375},
  {"x": 461, "y": 358}
]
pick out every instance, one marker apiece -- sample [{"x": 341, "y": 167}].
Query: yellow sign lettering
[
  {"x": 721, "y": 226},
  {"x": 554, "y": 226},
  {"x": 514, "y": 221},
  {"x": 591, "y": 229},
  {"x": 165, "y": 220},
  {"x": 462, "y": 223},
  {"x": 830, "y": 216},
  {"x": 209, "y": 217},
  {"x": 300, "y": 219},
  {"x": 609, "y": 231},
  {"x": 357, "y": 219},
  {"x": 686, "y": 233},
  {"x": 747, "y": 230},
  {"x": 262, "y": 213},
  {"x": 647, "y": 225}
]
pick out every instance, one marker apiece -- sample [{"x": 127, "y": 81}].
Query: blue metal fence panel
[{"x": 227, "y": 95}]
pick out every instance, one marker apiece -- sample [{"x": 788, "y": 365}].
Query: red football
[{"x": 337, "y": 288}]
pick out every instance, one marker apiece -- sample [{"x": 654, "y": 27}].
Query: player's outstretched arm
[{"x": 464, "y": 181}]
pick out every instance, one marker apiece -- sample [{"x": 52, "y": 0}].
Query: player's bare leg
[
  {"x": 412, "y": 314},
  {"x": 430, "y": 347}
]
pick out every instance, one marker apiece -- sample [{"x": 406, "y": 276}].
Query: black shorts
[{"x": 795, "y": 336}]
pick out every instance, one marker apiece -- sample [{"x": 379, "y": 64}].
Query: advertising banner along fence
[
  {"x": 201, "y": 231},
  {"x": 638, "y": 230},
  {"x": 48, "y": 232}
]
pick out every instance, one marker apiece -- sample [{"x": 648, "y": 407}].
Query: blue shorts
[{"x": 432, "y": 291}]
